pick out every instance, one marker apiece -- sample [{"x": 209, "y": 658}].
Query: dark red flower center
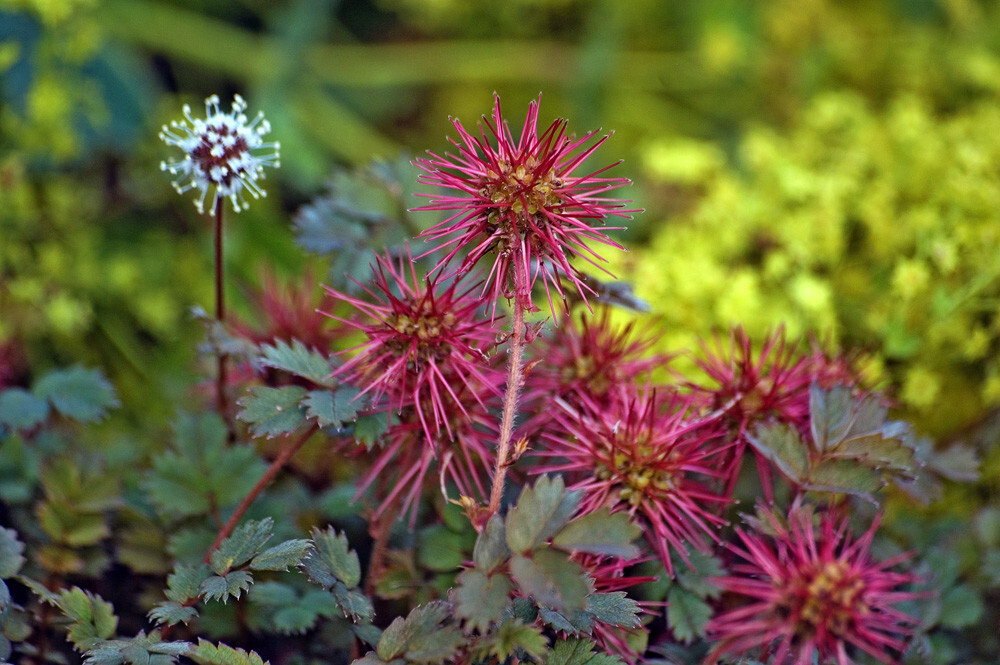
[{"x": 213, "y": 156}]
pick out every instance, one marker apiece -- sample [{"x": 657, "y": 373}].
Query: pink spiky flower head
[
  {"x": 522, "y": 202},
  {"x": 424, "y": 342},
  {"x": 750, "y": 384},
  {"x": 220, "y": 151},
  {"x": 812, "y": 591},
  {"x": 647, "y": 456}
]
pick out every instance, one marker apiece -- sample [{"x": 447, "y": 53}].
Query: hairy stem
[
  {"x": 220, "y": 315},
  {"x": 514, "y": 380},
  {"x": 251, "y": 496}
]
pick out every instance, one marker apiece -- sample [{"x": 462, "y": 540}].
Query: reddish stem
[
  {"x": 271, "y": 472},
  {"x": 220, "y": 316},
  {"x": 514, "y": 381}
]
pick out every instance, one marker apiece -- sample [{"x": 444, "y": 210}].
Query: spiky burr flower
[
  {"x": 425, "y": 344},
  {"x": 813, "y": 591},
  {"x": 644, "y": 454},
  {"x": 462, "y": 453},
  {"x": 523, "y": 201},
  {"x": 222, "y": 151},
  {"x": 749, "y": 385},
  {"x": 590, "y": 359}
]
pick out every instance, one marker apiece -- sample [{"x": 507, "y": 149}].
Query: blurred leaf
[
  {"x": 781, "y": 445},
  {"x": 491, "y": 546},
  {"x": 961, "y": 607},
  {"x": 540, "y": 512},
  {"x": 273, "y": 411},
  {"x": 551, "y": 579},
  {"x": 687, "y": 614},
  {"x": 693, "y": 578},
  {"x": 296, "y": 359},
  {"x": 480, "y": 598},
  {"x": 22, "y": 410},
  {"x": 140, "y": 650},
  {"x": 11, "y": 553},
  {"x": 201, "y": 471},
  {"x": 600, "y": 532},
  {"x": 77, "y": 393},
  {"x": 440, "y": 549}
]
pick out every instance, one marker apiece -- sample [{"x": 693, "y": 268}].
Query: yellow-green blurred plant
[{"x": 879, "y": 230}]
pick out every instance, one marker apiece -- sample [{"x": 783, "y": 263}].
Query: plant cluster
[{"x": 489, "y": 468}]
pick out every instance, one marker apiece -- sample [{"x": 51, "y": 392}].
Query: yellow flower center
[
  {"x": 830, "y": 597},
  {"x": 521, "y": 187}
]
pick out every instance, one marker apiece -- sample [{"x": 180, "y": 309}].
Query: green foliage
[
  {"x": 853, "y": 450},
  {"x": 296, "y": 359},
  {"x": 578, "y": 652},
  {"x": 140, "y": 650},
  {"x": 541, "y": 511},
  {"x": 200, "y": 470}
]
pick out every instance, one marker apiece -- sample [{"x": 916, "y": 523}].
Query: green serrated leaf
[
  {"x": 242, "y": 545},
  {"x": 514, "y": 635},
  {"x": 844, "y": 476},
  {"x": 207, "y": 653},
  {"x": 437, "y": 646},
  {"x": 20, "y": 409},
  {"x": 185, "y": 582},
  {"x": 273, "y": 411},
  {"x": 781, "y": 445},
  {"x": 687, "y": 614},
  {"x": 600, "y": 532},
  {"x": 830, "y": 413},
  {"x": 331, "y": 408},
  {"x": 11, "y": 550},
  {"x": 578, "y": 651},
  {"x": 369, "y": 427},
  {"x": 552, "y": 580},
  {"x": 294, "y": 619},
  {"x": 423, "y": 619},
  {"x": 296, "y": 359},
  {"x": 282, "y": 556},
  {"x": 77, "y": 393},
  {"x": 491, "y": 546},
  {"x": 332, "y": 560},
  {"x": 221, "y": 587},
  {"x": 170, "y": 612},
  {"x": 614, "y": 608},
  {"x": 367, "y": 633},
  {"x": 353, "y": 604},
  {"x": 540, "y": 512},
  {"x": 480, "y": 599},
  {"x": 93, "y": 618},
  {"x": 693, "y": 577}
]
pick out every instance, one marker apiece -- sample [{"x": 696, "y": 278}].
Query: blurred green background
[{"x": 828, "y": 165}]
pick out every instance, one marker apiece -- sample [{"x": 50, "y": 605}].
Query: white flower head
[{"x": 221, "y": 151}]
